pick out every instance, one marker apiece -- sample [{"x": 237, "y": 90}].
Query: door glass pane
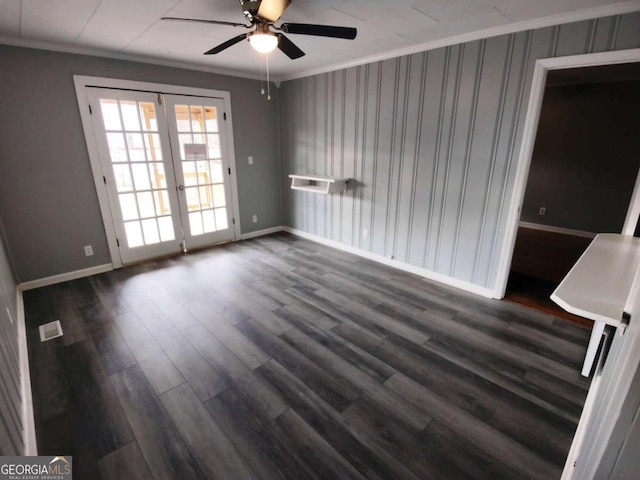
[
  {"x": 190, "y": 173},
  {"x": 219, "y": 199},
  {"x": 145, "y": 204},
  {"x": 116, "y": 147},
  {"x": 123, "y": 177},
  {"x": 184, "y": 139},
  {"x": 214, "y": 146},
  {"x": 156, "y": 172},
  {"x": 134, "y": 234},
  {"x": 130, "y": 115},
  {"x": 193, "y": 200},
  {"x": 140, "y": 176},
  {"x": 208, "y": 221},
  {"x": 197, "y": 119},
  {"x": 203, "y": 173},
  {"x": 221, "y": 218},
  {"x": 206, "y": 199},
  {"x": 182, "y": 118},
  {"x": 211, "y": 119},
  {"x": 195, "y": 223},
  {"x": 128, "y": 206},
  {"x": 216, "y": 171},
  {"x": 161, "y": 198},
  {"x": 166, "y": 229},
  {"x": 150, "y": 230},
  {"x": 110, "y": 114},
  {"x": 136, "y": 147},
  {"x": 148, "y": 115},
  {"x": 152, "y": 144}
]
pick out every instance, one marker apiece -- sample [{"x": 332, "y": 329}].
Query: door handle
[{"x": 180, "y": 187}]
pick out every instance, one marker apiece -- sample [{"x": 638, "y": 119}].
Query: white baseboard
[
  {"x": 29, "y": 435},
  {"x": 260, "y": 233},
  {"x": 65, "y": 277},
  {"x": 549, "y": 228},
  {"x": 423, "y": 272}
]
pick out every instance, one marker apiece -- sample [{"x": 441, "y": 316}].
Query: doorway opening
[
  {"x": 542, "y": 68},
  {"x": 581, "y": 180}
]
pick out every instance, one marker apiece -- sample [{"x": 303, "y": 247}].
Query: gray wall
[
  {"x": 586, "y": 157},
  {"x": 47, "y": 198},
  {"x": 11, "y": 441},
  {"x": 432, "y": 142}
]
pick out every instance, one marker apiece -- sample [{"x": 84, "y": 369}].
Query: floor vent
[{"x": 50, "y": 330}]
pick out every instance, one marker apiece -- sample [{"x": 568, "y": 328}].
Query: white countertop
[{"x": 598, "y": 285}]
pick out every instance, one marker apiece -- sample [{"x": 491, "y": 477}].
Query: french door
[
  {"x": 165, "y": 168},
  {"x": 200, "y": 161}
]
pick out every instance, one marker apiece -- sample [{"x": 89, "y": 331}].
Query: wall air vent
[{"x": 50, "y": 330}]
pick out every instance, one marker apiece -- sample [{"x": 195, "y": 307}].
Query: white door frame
[
  {"x": 607, "y": 394},
  {"x": 82, "y": 81},
  {"x": 528, "y": 140},
  {"x": 630, "y": 222}
]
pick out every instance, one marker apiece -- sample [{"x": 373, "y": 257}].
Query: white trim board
[
  {"x": 107, "y": 267},
  {"x": 423, "y": 272},
  {"x": 551, "y": 228},
  {"x": 261, "y": 233},
  {"x": 630, "y": 222},
  {"x": 129, "y": 57},
  {"x": 528, "y": 139},
  {"x": 64, "y": 277},
  {"x": 28, "y": 419}
]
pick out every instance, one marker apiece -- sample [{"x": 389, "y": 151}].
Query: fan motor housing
[{"x": 250, "y": 9}]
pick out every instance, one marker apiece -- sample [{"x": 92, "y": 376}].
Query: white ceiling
[{"x": 386, "y": 28}]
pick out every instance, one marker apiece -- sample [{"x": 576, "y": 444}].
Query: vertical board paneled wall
[
  {"x": 11, "y": 430},
  {"x": 431, "y": 141}
]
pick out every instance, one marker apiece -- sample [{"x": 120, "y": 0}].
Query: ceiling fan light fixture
[{"x": 263, "y": 42}]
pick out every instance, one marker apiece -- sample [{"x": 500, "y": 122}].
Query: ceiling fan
[{"x": 265, "y": 36}]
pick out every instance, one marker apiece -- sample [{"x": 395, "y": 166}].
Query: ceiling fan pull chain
[
  {"x": 261, "y": 74},
  {"x": 268, "y": 81}
]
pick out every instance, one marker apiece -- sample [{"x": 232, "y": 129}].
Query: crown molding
[{"x": 95, "y": 52}]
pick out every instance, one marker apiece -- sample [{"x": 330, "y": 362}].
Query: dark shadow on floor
[{"x": 535, "y": 293}]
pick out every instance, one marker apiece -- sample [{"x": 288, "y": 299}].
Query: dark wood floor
[
  {"x": 546, "y": 255},
  {"x": 281, "y": 358},
  {"x": 536, "y": 293}
]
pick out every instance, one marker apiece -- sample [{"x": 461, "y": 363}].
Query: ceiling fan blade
[
  {"x": 271, "y": 10},
  {"x": 215, "y": 22},
  {"x": 320, "y": 30},
  {"x": 289, "y": 48},
  {"x": 227, "y": 44}
]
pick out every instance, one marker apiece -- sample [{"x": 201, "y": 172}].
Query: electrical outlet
[
  {"x": 255, "y": 219},
  {"x": 542, "y": 211},
  {"x": 390, "y": 256},
  {"x": 88, "y": 250},
  {"x": 365, "y": 233},
  {"x": 250, "y": 160},
  {"x": 10, "y": 317}
]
